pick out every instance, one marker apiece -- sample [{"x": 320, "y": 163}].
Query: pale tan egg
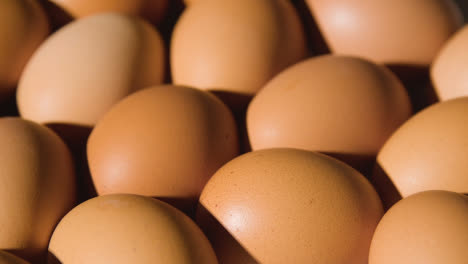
[
  {"x": 87, "y": 66},
  {"x": 450, "y": 68},
  {"x": 398, "y": 32}
]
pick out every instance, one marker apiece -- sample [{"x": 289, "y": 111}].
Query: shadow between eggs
[
  {"x": 417, "y": 82},
  {"x": 76, "y": 137},
  {"x": 228, "y": 250}
]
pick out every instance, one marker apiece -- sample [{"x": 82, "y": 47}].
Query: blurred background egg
[
  {"x": 87, "y": 66},
  {"x": 293, "y": 206},
  {"x": 398, "y": 32},
  {"x": 450, "y": 69},
  {"x": 126, "y": 229},
  {"x": 152, "y": 10},
  {"x": 38, "y": 186},
  {"x": 7, "y": 258},
  {"x": 165, "y": 142},
  {"x": 343, "y": 106},
  {"x": 428, "y": 227},
  {"x": 23, "y": 27},
  {"x": 235, "y": 46},
  {"x": 428, "y": 152}
]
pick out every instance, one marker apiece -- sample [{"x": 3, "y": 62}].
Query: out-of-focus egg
[
  {"x": 294, "y": 206},
  {"x": 450, "y": 68},
  {"x": 235, "y": 45},
  {"x": 398, "y": 32},
  {"x": 165, "y": 142},
  {"x": 428, "y": 152},
  {"x": 333, "y": 104},
  {"x": 428, "y": 227},
  {"x": 87, "y": 66},
  {"x": 152, "y": 10},
  {"x": 124, "y": 228},
  {"x": 7, "y": 258},
  {"x": 23, "y": 27},
  {"x": 37, "y": 185}
]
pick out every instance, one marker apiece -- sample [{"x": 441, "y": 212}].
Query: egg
[
  {"x": 87, "y": 66},
  {"x": 235, "y": 46},
  {"x": 124, "y": 228},
  {"x": 38, "y": 186},
  {"x": 398, "y": 32},
  {"x": 428, "y": 152},
  {"x": 23, "y": 27},
  {"x": 294, "y": 206},
  {"x": 450, "y": 67},
  {"x": 164, "y": 141},
  {"x": 7, "y": 258},
  {"x": 152, "y": 10},
  {"x": 428, "y": 227},
  {"x": 339, "y": 105}
]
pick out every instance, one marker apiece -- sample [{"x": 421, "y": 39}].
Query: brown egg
[
  {"x": 152, "y": 10},
  {"x": 87, "y": 66},
  {"x": 23, "y": 27},
  {"x": 125, "y": 228},
  {"x": 7, "y": 258},
  {"x": 429, "y": 151},
  {"x": 294, "y": 206},
  {"x": 398, "y": 32},
  {"x": 428, "y": 227},
  {"x": 450, "y": 68},
  {"x": 333, "y": 104},
  {"x": 165, "y": 141},
  {"x": 235, "y": 45},
  {"x": 38, "y": 185}
]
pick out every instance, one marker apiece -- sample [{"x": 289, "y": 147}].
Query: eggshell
[
  {"x": 165, "y": 141},
  {"x": 397, "y": 32},
  {"x": 294, "y": 206},
  {"x": 7, "y": 258},
  {"x": 429, "y": 151},
  {"x": 333, "y": 104},
  {"x": 235, "y": 45},
  {"x": 87, "y": 66},
  {"x": 38, "y": 185},
  {"x": 450, "y": 67},
  {"x": 153, "y": 10},
  {"x": 428, "y": 227},
  {"x": 125, "y": 228},
  {"x": 23, "y": 27}
]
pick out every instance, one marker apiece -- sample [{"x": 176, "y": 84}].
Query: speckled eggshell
[
  {"x": 428, "y": 227},
  {"x": 23, "y": 27},
  {"x": 398, "y": 32},
  {"x": 429, "y": 151},
  {"x": 153, "y": 10},
  {"x": 235, "y": 45},
  {"x": 123, "y": 228},
  {"x": 8, "y": 258},
  {"x": 37, "y": 185},
  {"x": 164, "y": 141},
  {"x": 450, "y": 68},
  {"x": 333, "y": 104},
  {"x": 87, "y": 66},
  {"x": 295, "y": 206}
]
